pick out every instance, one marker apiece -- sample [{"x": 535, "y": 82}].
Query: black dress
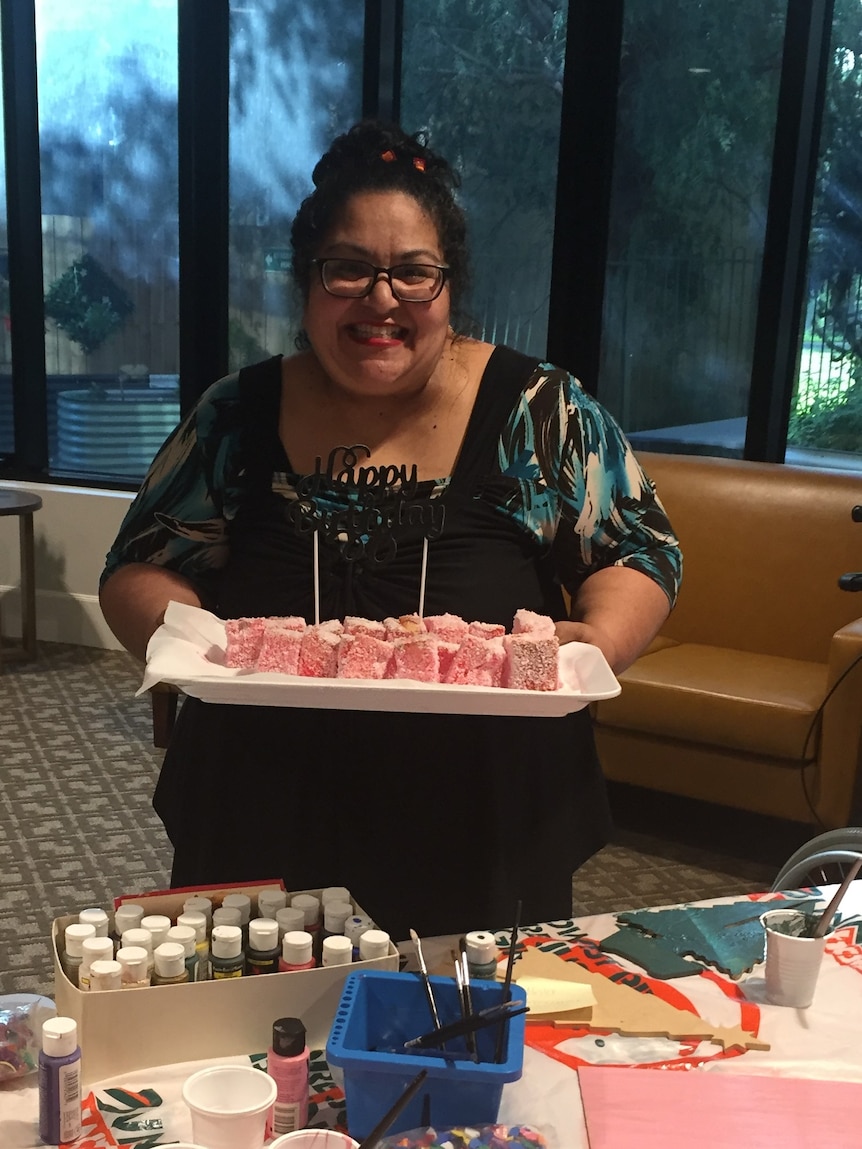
[{"x": 435, "y": 822}]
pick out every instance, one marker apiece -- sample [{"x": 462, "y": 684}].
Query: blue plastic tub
[{"x": 378, "y": 1012}]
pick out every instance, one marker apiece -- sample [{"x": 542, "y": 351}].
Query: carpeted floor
[{"x": 76, "y": 826}]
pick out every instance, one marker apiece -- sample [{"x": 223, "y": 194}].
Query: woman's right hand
[{"x": 134, "y": 600}]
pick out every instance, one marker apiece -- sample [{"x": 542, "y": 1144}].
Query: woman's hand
[
  {"x": 134, "y": 599},
  {"x": 594, "y": 635},
  {"x": 620, "y": 611}
]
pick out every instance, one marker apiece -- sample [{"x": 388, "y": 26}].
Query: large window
[
  {"x": 695, "y": 126},
  {"x": 627, "y": 223},
  {"x": 107, "y": 81},
  {"x": 485, "y": 80},
  {"x": 296, "y": 71},
  {"x": 826, "y": 417}
]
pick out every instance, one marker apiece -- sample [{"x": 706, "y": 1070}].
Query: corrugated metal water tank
[{"x": 115, "y": 431}]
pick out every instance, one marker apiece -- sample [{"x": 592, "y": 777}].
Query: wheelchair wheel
[{"x": 822, "y": 861}]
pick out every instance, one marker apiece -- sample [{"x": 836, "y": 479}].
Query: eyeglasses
[{"x": 409, "y": 282}]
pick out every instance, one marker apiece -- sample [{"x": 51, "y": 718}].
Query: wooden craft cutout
[
  {"x": 650, "y": 954},
  {"x": 621, "y": 1009}
]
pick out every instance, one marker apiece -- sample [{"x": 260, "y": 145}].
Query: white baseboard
[{"x": 60, "y": 617}]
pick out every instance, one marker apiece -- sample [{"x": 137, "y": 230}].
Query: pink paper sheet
[{"x": 657, "y": 1109}]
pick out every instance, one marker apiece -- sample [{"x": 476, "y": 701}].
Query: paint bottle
[
  {"x": 482, "y": 954},
  {"x": 186, "y": 937},
  {"x": 334, "y": 894},
  {"x": 59, "y": 1082},
  {"x": 135, "y": 967},
  {"x": 227, "y": 916},
  {"x": 269, "y": 902},
  {"x": 335, "y": 915},
  {"x": 197, "y": 921},
  {"x": 170, "y": 964},
  {"x": 297, "y": 951},
  {"x": 198, "y": 904},
  {"x": 105, "y": 974},
  {"x": 373, "y": 944},
  {"x": 227, "y": 958},
  {"x": 93, "y": 949},
  {"x": 289, "y": 919},
  {"x": 126, "y": 917},
  {"x": 158, "y": 925},
  {"x": 287, "y": 1065},
  {"x": 96, "y": 918},
  {"x": 73, "y": 941},
  {"x": 310, "y": 906},
  {"x": 354, "y": 927},
  {"x": 336, "y": 950},
  {"x": 144, "y": 939},
  {"x": 263, "y": 952},
  {"x": 241, "y": 902}
]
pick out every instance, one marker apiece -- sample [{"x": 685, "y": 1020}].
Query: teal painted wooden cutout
[
  {"x": 652, "y": 954},
  {"x": 728, "y": 937}
]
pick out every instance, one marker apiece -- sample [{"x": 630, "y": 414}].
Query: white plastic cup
[
  {"x": 229, "y": 1105},
  {"x": 313, "y": 1139},
  {"x": 792, "y": 963}
]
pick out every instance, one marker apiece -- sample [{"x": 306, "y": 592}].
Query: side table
[{"x": 24, "y": 505}]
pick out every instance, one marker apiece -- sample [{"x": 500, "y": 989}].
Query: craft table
[{"x": 822, "y": 1042}]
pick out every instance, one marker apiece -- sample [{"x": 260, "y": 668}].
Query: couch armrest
[{"x": 841, "y": 730}]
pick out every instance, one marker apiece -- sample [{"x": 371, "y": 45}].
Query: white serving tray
[{"x": 188, "y": 651}]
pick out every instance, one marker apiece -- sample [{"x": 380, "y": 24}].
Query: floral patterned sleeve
[
  {"x": 180, "y": 515},
  {"x": 599, "y": 507}
]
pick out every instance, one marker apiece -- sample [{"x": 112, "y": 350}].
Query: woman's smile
[{"x": 383, "y": 335}]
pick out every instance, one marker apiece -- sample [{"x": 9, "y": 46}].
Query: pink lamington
[
  {"x": 244, "y": 637},
  {"x": 528, "y": 622},
  {"x": 447, "y": 627},
  {"x": 356, "y": 625},
  {"x": 446, "y": 652},
  {"x": 279, "y": 650},
  {"x": 363, "y": 656},
  {"x": 416, "y": 656},
  {"x": 478, "y": 662},
  {"x": 486, "y": 629},
  {"x": 532, "y": 662},
  {"x": 403, "y": 626},
  {"x": 318, "y": 652}
]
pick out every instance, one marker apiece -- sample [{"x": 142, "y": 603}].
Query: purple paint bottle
[{"x": 59, "y": 1081}]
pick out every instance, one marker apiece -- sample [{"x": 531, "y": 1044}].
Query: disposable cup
[
  {"x": 229, "y": 1105},
  {"x": 792, "y": 962},
  {"x": 313, "y": 1139}
]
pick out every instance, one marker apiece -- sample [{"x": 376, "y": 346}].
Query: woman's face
[{"x": 379, "y": 347}]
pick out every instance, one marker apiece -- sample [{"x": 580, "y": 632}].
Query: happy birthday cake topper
[{"x": 377, "y": 505}]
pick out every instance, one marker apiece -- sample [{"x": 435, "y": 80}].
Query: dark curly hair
[{"x": 355, "y": 163}]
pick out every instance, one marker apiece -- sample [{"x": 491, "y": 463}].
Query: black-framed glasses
[{"x": 355, "y": 278}]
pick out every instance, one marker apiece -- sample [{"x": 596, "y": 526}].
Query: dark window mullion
[
  {"x": 24, "y": 229},
  {"x": 381, "y": 64},
  {"x": 204, "y": 93},
  {"x": 589, "y": 107},
  {"x": 783, "y": 278}
]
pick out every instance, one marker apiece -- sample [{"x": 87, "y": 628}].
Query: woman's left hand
[{"x": 585, "y": 632}]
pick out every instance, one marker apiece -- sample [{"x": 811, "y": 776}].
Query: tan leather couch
[{"x": 722, "y": 704}]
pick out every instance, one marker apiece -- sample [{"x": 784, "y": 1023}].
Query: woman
[{"x": 496, "y": 474}]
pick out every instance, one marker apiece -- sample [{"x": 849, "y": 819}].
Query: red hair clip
[
  {"x": 418, "y": 163},
  {"x": 388, "y": 156}
]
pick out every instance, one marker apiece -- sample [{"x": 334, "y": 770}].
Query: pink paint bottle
[
  {"x": 297, "y": 951},
  {"x": 287, "y": 1065}
]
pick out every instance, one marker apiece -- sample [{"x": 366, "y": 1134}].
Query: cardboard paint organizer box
[{"x": 125, "y": 1030}]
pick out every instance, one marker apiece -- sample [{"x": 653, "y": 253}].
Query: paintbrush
[
  {"x": 429, "y": 993},
  {"x": 464, "y": 1000},
  {"x": 479, "y": 1020},
  {"x": 507, "y": 982},
  {"x": 825, "y": 919},
  {"x": 388, "y": 1119}
]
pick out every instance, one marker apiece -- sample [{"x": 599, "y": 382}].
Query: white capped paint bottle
[{"x": 59, "y": 1082}]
